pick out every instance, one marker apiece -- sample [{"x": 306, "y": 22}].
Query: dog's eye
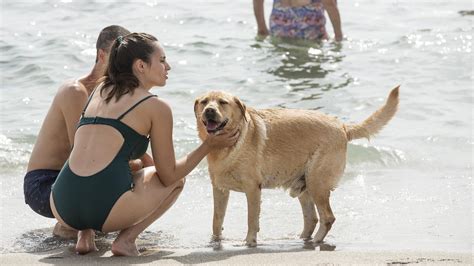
[
  {"x": 204, "y": 102},
  {"x": 222, "y": 102}
]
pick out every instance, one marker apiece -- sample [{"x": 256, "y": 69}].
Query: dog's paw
[
  {"x": 216, "y": 238},
  {"x": 305, "y": 236},
  {"x": 251, "y": 242},
  {"x": 215, "y": 243}
]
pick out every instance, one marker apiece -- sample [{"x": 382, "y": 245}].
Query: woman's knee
[
  {"x": 178, "y": 186},
  {"x": 181, "y": 182}
]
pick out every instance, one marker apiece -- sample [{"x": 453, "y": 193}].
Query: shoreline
[{"x": 248, "y": 256}]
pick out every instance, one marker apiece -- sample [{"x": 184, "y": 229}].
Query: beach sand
[{"x": 247, "y": 256}]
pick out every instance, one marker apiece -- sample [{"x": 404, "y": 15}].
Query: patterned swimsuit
[{"x": 303, "y": 22}]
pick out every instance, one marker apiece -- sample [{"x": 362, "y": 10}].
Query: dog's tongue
[{"x": 211, "y": 125}]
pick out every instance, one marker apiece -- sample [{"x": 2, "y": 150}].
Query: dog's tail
[{"x": 376, "y": 121}]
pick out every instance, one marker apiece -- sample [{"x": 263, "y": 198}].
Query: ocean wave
[
  {"x": 14, "y": 154},
  {"x": 361, "y": 154}
]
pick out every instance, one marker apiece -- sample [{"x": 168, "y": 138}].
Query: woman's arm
[
  {"x": 334, "y": 16},
  {"x": 169, "y": 169},
  {"x": 258, "y": 10}
]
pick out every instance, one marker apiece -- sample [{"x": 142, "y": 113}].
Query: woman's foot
[
  {"x": 85, "y": 242},
  {"x": 124, "y": 247},
  {"x": 64, "y": 232}
]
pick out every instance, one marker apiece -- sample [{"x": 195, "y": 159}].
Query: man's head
[{"x": 106, "y": 37}]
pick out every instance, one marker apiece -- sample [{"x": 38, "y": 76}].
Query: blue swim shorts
[{"x": 37, "y": 188}]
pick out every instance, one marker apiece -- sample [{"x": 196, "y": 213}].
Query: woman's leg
[
  {"x": 124, "y": 244},
  {"x": 138, "y": 209},
  {"x": 85, "y": 239}
]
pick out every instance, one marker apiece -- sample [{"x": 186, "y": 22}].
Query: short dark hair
[
  {"x": 123, "y": 54},
  {"x": 108, "y": 35}
]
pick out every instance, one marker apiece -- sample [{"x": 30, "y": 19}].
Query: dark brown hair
[
  {"x": 108, "y": 35},
  {"x": 123, "y": 54}
]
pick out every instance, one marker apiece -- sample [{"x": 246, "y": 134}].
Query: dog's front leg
[
  {"x": 221, "y": 197},
  {"x": 253, "y": 206}
]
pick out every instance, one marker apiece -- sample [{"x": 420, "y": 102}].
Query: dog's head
[{"x": 217, "y": 111}]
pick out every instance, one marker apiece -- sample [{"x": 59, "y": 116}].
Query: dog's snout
[{"x": 210, "y": 112}]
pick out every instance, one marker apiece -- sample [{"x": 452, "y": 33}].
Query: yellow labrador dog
[{"x": 300, "y": 150}]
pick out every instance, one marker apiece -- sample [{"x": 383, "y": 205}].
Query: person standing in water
[
  {"x": 299, "y": 19},
  {"x": 55, "y": 139},
  {"x": 96, "y": 189}
]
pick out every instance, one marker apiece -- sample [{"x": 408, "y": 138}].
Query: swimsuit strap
[
  {"x": 135, "y": 105},
  {"x": 88, "y": 101}
]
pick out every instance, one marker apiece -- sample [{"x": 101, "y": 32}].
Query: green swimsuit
[{"x": 84, "y": 202}]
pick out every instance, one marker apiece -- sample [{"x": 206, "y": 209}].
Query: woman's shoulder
[
  {"x": 156, "y": 102},
  {"x": 158, "y": 105}
]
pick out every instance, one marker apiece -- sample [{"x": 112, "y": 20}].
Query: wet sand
[{"x": 247, "y": 256}]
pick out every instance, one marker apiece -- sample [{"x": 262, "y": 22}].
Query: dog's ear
[
  {"x": 195, "y": 107},
  {"x": 242, "y": 107}
]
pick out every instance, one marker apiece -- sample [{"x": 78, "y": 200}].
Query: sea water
[{"x": 409, "y": 188}]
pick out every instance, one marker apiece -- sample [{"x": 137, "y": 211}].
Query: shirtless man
[{"x": 56, "y": 136}]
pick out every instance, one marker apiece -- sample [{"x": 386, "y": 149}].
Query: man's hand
[
  {"x": 147, "y": 160},
  {"x": 144, "y": 161},
  {"x": 135, "y": 165}
]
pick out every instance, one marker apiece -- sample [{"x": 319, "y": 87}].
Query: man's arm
[
  {"x": 258, "y": 10},
  {"x": 334, "y": 16},
  {"x": 73, "y": 98}
]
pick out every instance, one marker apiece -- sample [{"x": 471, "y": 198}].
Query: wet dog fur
[{"x": 303, "y": 151}]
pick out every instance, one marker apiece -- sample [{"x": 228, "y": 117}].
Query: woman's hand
[{"x": 222, "y": 140}]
